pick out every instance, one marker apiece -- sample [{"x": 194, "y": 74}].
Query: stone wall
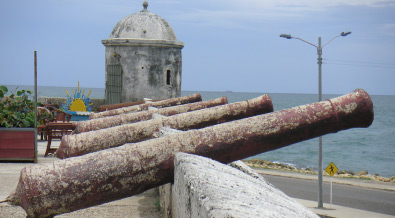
[
  {"x": 59, "y": 101},
  {"x": 206, "y": 188},
  {"x": 145, "y": 70}
]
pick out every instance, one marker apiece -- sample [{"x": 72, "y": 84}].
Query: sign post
[{"x": 331, "y": 169}]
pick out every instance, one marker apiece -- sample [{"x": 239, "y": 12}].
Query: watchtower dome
[{"x": 143, "y": 59}]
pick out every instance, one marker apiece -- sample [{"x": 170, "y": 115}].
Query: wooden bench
[
  {"x": 56, "y": 130},
  {"x": 58, "y": 116}
]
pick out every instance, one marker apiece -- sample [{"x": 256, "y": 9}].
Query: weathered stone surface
[
  {"x": 141, "y": 107},
  {"x": 143, "y": 25},
  {"x": 205, "y": 188},
  {"x": 145, "y": 47},
  {"x": 86, "y": 142},
  {"x": 247, "y": 170},
  {"x": 71, "y": 184},
  {"x": 165, "y": 197},
  {"x": 145, "y": 67}
]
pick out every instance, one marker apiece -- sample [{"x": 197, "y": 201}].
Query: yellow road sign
[{"x": 331, "y": 169}]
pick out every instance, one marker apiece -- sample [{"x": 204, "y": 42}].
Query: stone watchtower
[{"x": 143, "y": 59}]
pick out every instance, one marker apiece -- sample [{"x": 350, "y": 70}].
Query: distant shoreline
[{"x": 363, "y": 175}]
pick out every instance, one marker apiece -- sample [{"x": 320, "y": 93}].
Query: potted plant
[{"x": 18, "y": 137}]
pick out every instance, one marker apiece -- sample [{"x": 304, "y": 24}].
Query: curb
[{"x": 345, "y": 181}]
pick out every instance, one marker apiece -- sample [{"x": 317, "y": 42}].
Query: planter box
[{"x": 18, "y": 144}]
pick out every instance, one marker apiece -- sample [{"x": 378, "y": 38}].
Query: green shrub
[{"x": 16, "y": 110}]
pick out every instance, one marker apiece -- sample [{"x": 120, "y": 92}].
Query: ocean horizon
[
  {"x": 99, "y": 92},
  {"x": 357, "y": 149}
]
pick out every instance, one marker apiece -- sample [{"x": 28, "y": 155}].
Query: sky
[{"x": 230, "y": 45}]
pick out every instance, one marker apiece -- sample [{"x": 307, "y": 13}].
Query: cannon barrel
[
  {"x": 106, "y": 122},
  {"x": 109, "y": 107},
  {"x": 141, "y": 107},
  {"x": 87, "y": 142},
  {"x": 125, "y": 104},
  {"x": 75, "y": 183}
]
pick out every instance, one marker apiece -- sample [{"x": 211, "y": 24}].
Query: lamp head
[
  {"x": 287, "y": 36},
  {"x": 345, "y": 33}
]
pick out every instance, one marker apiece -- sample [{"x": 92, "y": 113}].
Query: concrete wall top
[{"x": 206, "y": 188}]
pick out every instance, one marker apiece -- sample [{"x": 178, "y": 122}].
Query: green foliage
[
  {"x": 44, "y": 115},
  {"x": 16, "y": 110}
]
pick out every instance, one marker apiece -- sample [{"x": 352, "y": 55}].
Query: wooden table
[
  {"x": 42, "y": 130},
  {"x": 57, "y": 130}
]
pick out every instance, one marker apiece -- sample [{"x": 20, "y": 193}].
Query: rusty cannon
[
  {"x": 87, "y": 142},
  {"x": 126, "y": 104},
  {"x": 141, "y": 107},
  {"x": 67, "y": 185},
  {"x": 116, "y": 120}
]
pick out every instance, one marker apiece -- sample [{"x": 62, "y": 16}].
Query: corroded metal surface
[
  {"x": 126, "y": 104},
  {"x": 141, "y": 107},
  {"x": 71, "y": 184},
  {"x": 106, "y": 122},
  {"x": 116, "y": 106},
  {"x": 87, "y": 142}
]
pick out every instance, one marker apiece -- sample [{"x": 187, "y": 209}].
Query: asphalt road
[{"x": 374, "y": 200}]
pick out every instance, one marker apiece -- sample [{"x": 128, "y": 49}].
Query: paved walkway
[
  {"x": 145, "y": 205},
  {"x": 339, "y": 211}
]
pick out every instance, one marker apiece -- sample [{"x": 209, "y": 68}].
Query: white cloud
[
  {"x": 234, "y": 13},
  {"x": 308, "y": 4},
  {"x": 224, "y": 13}
]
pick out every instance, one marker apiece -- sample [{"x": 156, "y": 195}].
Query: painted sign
[{"x": 331, "y": 169}]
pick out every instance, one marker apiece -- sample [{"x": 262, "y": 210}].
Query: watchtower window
[
  {"x": 113, "y": 84},
  {"x": 168, "y": 77}
]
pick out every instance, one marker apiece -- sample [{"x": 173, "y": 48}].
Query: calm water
[{"x": 358, "y": 149}]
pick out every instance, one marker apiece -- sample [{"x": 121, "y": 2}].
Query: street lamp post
[{"x": 319, "y": 62}]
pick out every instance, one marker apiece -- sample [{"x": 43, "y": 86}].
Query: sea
[{"x": 358, "y": 149}]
